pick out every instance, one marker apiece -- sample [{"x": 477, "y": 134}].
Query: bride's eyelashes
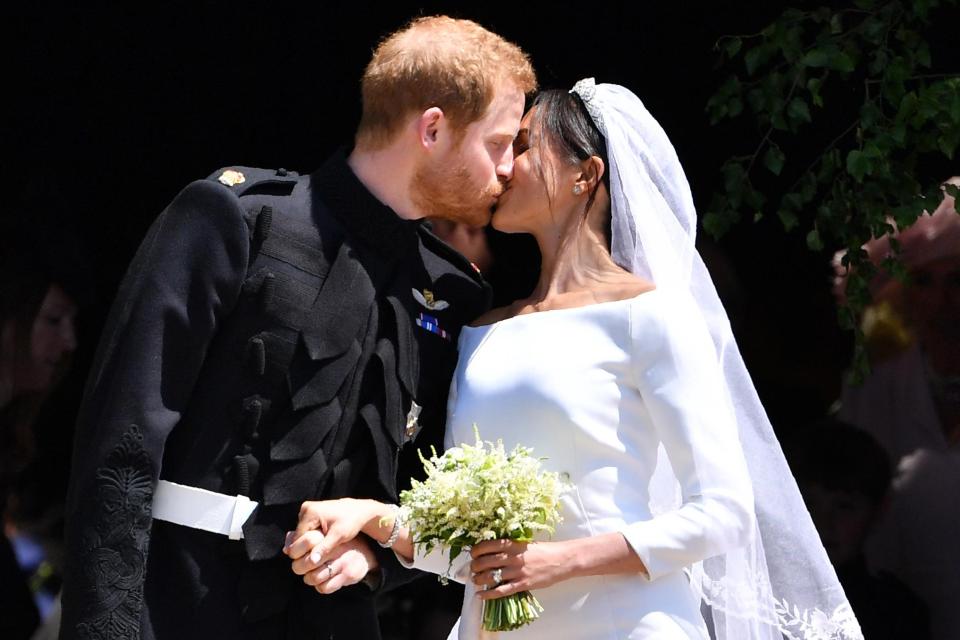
[{"x": 521, "y": 143}]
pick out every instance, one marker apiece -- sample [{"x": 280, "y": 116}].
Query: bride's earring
[{"x": 577, "y": 189}]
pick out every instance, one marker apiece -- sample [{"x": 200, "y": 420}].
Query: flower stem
[{"x": 510, "y": 612}]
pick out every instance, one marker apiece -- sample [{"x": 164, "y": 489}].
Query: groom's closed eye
[{"x": 501, "y": 143}]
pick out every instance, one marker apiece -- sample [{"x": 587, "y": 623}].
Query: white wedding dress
[{"x": 602, "y": 392}]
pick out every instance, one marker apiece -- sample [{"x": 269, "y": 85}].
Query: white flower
[{"x": 479, "y": 492}]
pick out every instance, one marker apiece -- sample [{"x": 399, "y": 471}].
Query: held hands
[
  {"x": 325, "y": 549},
  {"x": 522, "y": 566},
  {"x": 346, "y": 565}
]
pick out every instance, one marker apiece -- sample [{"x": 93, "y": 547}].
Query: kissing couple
[{"x": 279, "y": 339}]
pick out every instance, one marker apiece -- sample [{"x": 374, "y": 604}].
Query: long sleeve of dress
[
  {"x": 186, "y": 275},
  {"x": 681, "y": 385}
]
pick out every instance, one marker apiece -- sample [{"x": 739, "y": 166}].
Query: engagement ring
[{"x": 497, "y": 576}]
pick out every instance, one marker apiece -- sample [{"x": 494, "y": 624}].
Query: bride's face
[{"x": 540, "y": 188}]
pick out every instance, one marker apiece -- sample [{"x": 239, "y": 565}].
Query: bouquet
[{"x": 480, "y": 492}]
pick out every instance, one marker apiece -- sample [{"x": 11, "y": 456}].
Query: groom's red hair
[{"x": 437, "y": 61}]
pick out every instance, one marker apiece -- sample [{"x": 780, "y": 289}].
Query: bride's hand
[
  {"x": 523, "y": 566},
  {"x": 325, "y": 525}
]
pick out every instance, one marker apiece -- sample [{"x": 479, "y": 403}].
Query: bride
[{"x": 621, "y": 370}]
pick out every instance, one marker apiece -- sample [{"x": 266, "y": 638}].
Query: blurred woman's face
[{"x": 52, "y": 341}]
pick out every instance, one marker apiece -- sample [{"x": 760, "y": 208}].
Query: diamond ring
[
  {"x": 498, "y": 576},
  {"x": 329, "y": 569}
]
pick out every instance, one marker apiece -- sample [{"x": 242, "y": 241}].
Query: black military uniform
[{"x": 269, "y": 340}]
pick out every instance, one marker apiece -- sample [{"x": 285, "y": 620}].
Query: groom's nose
[{"x": 505, "y": 166}]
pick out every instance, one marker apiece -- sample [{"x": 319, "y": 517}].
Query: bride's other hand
[
  {"x": 343, "y": 566},
  {"x": 526, "y": 567},
  {"x": 523, "y": 566}
]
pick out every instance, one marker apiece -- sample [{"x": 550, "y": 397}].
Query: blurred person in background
[
  {"x": 910, "y": 402},
  {"x": 844, "y": 476},
  {"x": 38, "y": 309},
  {"x": 911, "y": 399}
]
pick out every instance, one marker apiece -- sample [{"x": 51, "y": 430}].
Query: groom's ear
[{"x": 429, "y": 124}]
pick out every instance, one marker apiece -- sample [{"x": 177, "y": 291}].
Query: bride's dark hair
[{"x": 562, "y": 121}]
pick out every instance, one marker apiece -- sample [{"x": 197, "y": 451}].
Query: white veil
[{"x": 781, "y": 584}]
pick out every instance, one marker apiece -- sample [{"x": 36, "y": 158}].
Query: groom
[{"x": 279, "y": 338}]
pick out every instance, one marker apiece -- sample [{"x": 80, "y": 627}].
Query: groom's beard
[{"x": 447, "y": 191}]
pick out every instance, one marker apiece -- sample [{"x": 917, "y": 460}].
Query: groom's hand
[{"x": 344, "y": 565}]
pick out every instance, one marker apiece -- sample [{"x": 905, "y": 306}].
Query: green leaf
[
  {"x": 954, "y": 109},
  {"x": 791, "y": 44},
  {"x": 870, "y": 114},
  {"x": 897, "y": 70},
  {"x": 830, "y": 57},
  {"x": 872, "y": 151},
  {"x": 948, "y": 143},
  {"x": 817, "y": 58},
  {"x": 727, "y": 94},
  {"x": 720, "y": 216},
  {"x": 798, "y": 110},
  {"x": 716, "y": 224},
  {"x": 922, "y": 55},
  {"x": 922, "y": 7},
  {"x": 878, "y": 62},
  {"x": 732, "y": 45},
  {"x": 757, "y": 99},
  {"x": 734, "y": 177},
  {"x": 753, "y": 198},
  {"x": 843, "y": 62},
  {"x": 814, "y": 242},
  {"x": 906, "y": 214},
  {"x": 822, "y": 14},
  {"x": 789, "y": 219},
  {"x": 773, "y": 159},
  {"x": 908, "y": 105},
  {"x": 734, "y": 107},
  {"x": 858, "y": 165},
  {"x": 909, "y": 37},
  {"x": 873, "y": 29},
  {"x": 753, "y": 59},
  {"x": 836, "y": 24},
  {"x": 899, "y": 133},
  {"x": 951, "y": 189},
  {"x": 794, "y": 201}
]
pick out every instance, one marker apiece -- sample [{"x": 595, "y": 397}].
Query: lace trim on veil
[{"x": 760, "y": 604}]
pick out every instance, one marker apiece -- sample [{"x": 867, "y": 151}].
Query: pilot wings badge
[{"x": 427, "y": 300}]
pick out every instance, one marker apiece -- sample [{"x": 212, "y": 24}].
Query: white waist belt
[{"x": 202, "y": 509}]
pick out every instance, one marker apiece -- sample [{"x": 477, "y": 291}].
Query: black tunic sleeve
[{"x": 184, "y": 278}]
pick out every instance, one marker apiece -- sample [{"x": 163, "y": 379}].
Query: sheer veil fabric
[{"x": 781, "y": 584}]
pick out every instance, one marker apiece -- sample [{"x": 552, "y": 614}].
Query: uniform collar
[{"x": 366, "y": 219}]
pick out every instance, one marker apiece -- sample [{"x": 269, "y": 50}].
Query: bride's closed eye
[{"x": 521, "y": 143}]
